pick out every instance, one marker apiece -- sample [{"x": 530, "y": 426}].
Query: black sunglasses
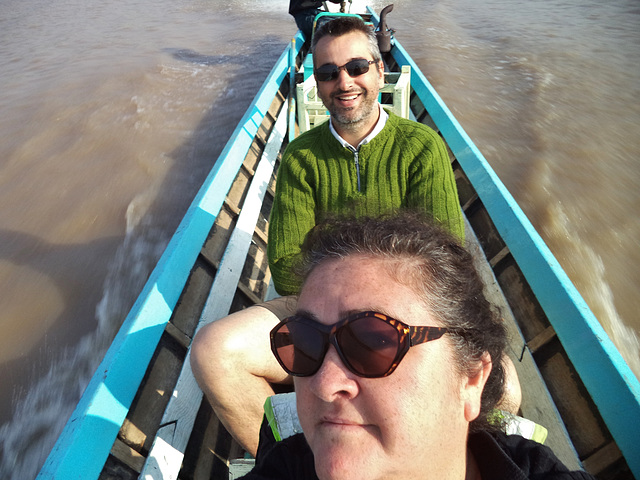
[
  {"x": 370, "y": 344},
  {"x": 354, "y": 68}
]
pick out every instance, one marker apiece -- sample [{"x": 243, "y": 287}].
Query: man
[
  {"x": 393, "y": 349},
  {"x": 363, "y": 161},
  {"x": 304, "y": 13}
]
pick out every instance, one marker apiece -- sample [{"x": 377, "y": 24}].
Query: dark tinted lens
[
  {"x": 326, "y": 73},
  {"x": 354, "y": 68},
  {"x": 301, "y": 347},
  {"x": 370, "y": 345},
  {"x": 357, "y": 67}
]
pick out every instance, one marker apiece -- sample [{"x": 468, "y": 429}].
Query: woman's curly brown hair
[{"x": 441, "y": 271}]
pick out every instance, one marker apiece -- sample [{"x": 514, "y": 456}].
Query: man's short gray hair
[{"x": 338, "y": 26}]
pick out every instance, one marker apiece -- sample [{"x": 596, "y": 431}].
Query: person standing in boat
[
  {"x": 365, "y": 161},
  {"x": 304, "y": 13},
  {"x": 392, "y": 348}
]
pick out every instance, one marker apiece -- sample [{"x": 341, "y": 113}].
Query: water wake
[{"x": 39, "y": 418}]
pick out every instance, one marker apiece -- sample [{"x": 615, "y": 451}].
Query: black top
[
  {"x": 299, "y": 5},
  {"x": 499, "y": 457}
]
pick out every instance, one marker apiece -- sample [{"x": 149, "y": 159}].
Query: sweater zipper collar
[
  {"x": 357, "y": 163},
  {"x": 382, "y": 120}
]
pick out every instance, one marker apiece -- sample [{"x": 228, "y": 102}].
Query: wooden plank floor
[{"x": 537, "y": 404}]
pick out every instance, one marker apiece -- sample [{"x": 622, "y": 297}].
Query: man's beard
[{"x": 349, "y": 118}]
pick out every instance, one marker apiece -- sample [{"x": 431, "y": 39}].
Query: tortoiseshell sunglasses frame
[{"x": 408, "y": 336}]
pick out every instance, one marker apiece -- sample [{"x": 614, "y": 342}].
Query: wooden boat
[{"x": 142, "y": 413}]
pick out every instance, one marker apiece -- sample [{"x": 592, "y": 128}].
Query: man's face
[
  {"x": 352, "y": 102},
  {"x": 411, "y": 424}
]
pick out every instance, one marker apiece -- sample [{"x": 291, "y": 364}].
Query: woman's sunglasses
[
  {"x": 354, "y": 68},
  {"x": 370, "y": 344}
]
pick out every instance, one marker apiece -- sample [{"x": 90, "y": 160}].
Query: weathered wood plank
[
  {"x": 114, "y": 469},
  {"x": 603, "y": 458},
  {"x": 178, "y": 335},
  {"x": 140, "y": 426},
  {"x": 528, "y": 314},
  {"x": 498, "y": 257},
  {"x": 541, "y": 339},
  {"x": 207, "y": 453},
  {"x": 216, "y": 242},
  {"x": 127, "y": 455},
  {"x": 587, "y": 430},
  {"x": 185, "y": 315}
]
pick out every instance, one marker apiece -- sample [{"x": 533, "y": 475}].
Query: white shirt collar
[{"x": 382, "y": 120}]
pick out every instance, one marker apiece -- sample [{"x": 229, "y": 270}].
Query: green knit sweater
[{"x": 406, "y": 165}]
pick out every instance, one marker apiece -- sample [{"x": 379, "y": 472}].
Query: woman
[{"x": 392, "y": 349}]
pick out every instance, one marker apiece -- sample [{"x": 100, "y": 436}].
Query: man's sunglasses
[
  {"x": 354, "y": 68},
  {"x": 370, "y": 344}
]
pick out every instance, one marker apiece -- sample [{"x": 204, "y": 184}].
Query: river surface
[{"x": 113, "y": 112}]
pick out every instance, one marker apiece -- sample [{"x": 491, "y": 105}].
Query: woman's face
[{"x": 411, "y": 424}]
